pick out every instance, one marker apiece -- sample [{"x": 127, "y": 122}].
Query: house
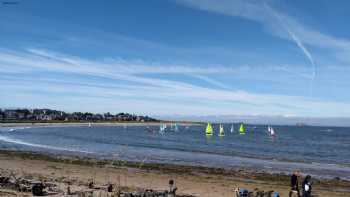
[
  {"x": 46, "y": 117},
  {"x": 10, "y": 114}
]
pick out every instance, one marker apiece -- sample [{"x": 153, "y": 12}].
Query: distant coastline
[
  {"x": 19, "y": 115},
  {"x": 106, "y": 123}
]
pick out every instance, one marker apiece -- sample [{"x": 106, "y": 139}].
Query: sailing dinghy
[
  {"x": 241, "y": 129},
  {"x": 271, "y": 131},
  {"x": 209, "y": 130},
  {"x": 221, "y": 131}
]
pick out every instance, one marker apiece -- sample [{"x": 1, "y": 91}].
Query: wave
[
  {"x": 21, "y": 142},
  {"x": 12, "y": 129},
  {"x": 327, "y": 130}
]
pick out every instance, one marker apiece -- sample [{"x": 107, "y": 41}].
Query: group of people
[{"x": 306, "y": 185}]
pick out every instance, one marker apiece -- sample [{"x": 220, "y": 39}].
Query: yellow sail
[
  {"x": 209, "y": 129},
  {"x": 221, "y": 131},
  {"x": 241, "y": 129}
]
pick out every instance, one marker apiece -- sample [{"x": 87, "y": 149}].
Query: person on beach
[
  {"x": 307, "y": 186},
  {"x": 172, "y": 188},
  {"x": 294, "y": 183}
]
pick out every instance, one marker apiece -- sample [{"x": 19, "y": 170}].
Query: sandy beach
[
  {"x": 196, "y": 181},
  {"x": 174, "y": 98}
]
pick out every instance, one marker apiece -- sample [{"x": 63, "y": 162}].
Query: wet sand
[{"x": 198, "y": 181}]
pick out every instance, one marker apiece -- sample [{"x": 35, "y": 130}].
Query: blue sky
[{"x": 185, "y": 57}]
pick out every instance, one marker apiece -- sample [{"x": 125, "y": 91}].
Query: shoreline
[
  {"x": 240, "y": 178},
  {"x": 38, "y": 124},
  {"x": 267, "y": 165}
]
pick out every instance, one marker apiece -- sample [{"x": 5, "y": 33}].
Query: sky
[{"x": 177, "y": 57}]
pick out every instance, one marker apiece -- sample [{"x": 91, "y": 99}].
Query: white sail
[
  {"x": 162, "y": 128},
  {"x": 176, "y": 128},
  {"x": 272, "y": 132},
  {"x": 232, "y": 128}
]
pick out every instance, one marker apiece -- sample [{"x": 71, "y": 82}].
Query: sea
[{"x": 322, "y": 152}]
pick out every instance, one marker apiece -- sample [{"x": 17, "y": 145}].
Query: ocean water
[{"x": 319, "y": 151}]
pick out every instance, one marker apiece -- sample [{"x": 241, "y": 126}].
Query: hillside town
[{"x": 42, "y": 115}]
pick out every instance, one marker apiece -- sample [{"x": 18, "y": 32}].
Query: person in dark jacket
[
  {"x": 172, "y": 188},
  {"x": 307, "y": 186},
  {"x": 294, "y": 183}
]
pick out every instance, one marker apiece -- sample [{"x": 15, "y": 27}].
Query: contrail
[
  {"x": 210, "y": 81},
  {"x": 299, "y": 43},
  {"x": 307, "y": 54}
]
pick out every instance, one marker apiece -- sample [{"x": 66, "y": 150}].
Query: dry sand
[{"x": 195, "y": 182}]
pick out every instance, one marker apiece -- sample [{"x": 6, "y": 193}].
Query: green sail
[
  {"x": 241, "y": 129},
  {"x": 209, "y": 130}
]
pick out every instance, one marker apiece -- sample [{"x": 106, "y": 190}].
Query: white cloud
[
  {"x": 291, "y": 29},
  {"x": 126, "y": 88}
]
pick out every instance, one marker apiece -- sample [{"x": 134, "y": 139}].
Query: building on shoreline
[{"x": 11, "y": 115}]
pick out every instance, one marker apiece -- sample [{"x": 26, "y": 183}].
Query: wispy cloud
[
  {"x": 278, "y": 24},
  {"x": 211, "y": 81},
  {"x": 294, "y": 37},
  {"x": 43, "y": 76},
  {"x": 256, "y": 11},
  {"x": 298, "y": 42}
]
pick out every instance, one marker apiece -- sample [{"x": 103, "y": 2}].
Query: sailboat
[
  {"x": 241, "y": 129},
  {"x": 232, "y": 129},
  {"x": 176, "y": 128},
  {"x": 162, "y": 128},
  {"x": 89, "y": 124},
  {"x": 209, "y": 130},
  {"x": 221, "y": 131},
  {"x": 161, "y": 131},
  {"x": 271, "y": 131}
]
